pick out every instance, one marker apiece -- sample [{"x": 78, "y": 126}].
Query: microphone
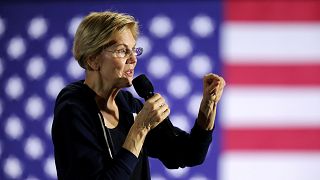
[
  {"x": 143, "y": 86},
  {"x": 144, "y": 89}
]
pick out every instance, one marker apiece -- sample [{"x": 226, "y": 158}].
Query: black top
[{"x": 82, "y": 142}]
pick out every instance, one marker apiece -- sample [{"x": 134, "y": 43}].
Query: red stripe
[
  {"x": 285, "y": 10},
  {"x": 271, "y": 139},
  {"x": 272, "y": 74}
]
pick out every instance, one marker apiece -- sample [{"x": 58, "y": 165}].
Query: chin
[
  {"x": 125, "y": 82},
  {"x": 129, "y": 80}
]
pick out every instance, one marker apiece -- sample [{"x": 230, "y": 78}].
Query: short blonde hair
[{"x": 96, "y": 31}]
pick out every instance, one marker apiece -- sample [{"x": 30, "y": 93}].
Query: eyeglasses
[{"x": 126, "y": 52}]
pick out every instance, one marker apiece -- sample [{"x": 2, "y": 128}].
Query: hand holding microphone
[{"x": 155, "y": 109}]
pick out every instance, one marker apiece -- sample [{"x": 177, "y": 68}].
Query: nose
[{"x": 132, "y": 59}]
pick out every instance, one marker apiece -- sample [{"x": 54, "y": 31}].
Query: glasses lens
[
  {"x": 138, "y": 51},
  {"x": 121, "y": 53}
]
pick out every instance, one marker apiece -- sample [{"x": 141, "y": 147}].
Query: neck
[{"x": 106, "y": 93}]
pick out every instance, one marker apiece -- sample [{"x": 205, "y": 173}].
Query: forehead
[{"x": 124, "y": 37}]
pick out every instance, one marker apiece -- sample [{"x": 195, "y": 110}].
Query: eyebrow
[
  {"x": 123, "y": 45},
  {"x": 109, "y": 44}
]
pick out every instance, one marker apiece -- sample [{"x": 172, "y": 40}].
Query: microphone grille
[{"x": 143, "y": 86}]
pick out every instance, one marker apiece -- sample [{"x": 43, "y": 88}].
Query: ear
[{"x": 93, "y": 63}]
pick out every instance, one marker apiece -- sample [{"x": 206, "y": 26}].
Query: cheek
[
  {"x": 112, "y": 65},
  {"x": 120, "y": 65},
  {"x": 118, "y": 68}
]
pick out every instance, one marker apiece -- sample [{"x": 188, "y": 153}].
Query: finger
[
  {"x": 159, "y": 103},
  {"x": 221, "y": 80},
  {"x": 165, "y": 114},
  {"x": 213, "y": 92},
  {"x": 159, "y": 110},
  {"x": 154, "y": 98},
  {"x": 221, "y": 84},
  {"x": 158, "y": 115},
  {"x": 220, "y": 89},
  {"x": 209, "y": 78},
  {"x": 163, "y": 108},
  {"x": 162, "y": 115},
  {"x": 211, "y": 81},
  {"x": 211, "y": 75},
  {"x": 212, "y": 87}
]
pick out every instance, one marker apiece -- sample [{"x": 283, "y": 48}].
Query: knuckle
[
  {"x": 158, "y": 96},
  {"x": 153, "y": 107}
]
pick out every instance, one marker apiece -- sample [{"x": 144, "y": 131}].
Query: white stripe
[
  {"x": 254, "y": 106},
  {"x": 271, "y": 42},
  {"x": 269, "y": 166}
]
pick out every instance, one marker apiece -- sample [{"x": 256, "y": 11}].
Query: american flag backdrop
[
  {"x": 271, "y": 106},
  {"x": 268, "y": 51}
]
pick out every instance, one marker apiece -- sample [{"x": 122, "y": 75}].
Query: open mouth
[{"x": 129, "y": 73}]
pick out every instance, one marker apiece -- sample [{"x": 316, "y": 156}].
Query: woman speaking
[{"x": 94, "y": 132}]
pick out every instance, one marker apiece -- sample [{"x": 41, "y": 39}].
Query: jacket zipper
[{"x": 104, "y": 134}]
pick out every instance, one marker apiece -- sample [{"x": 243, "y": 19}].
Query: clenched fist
[
  {"x": 212, "y": 91},
  {"x": 212, "y": 87}
]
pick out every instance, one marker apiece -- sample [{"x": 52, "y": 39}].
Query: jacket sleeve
[
  {"x": 78, "y": 152},
  {"x": 173, "y": 146},
  {"x": 177, "y": 148}
]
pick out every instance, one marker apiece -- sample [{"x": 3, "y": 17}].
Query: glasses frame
[{"x": 119, "y": 53}]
